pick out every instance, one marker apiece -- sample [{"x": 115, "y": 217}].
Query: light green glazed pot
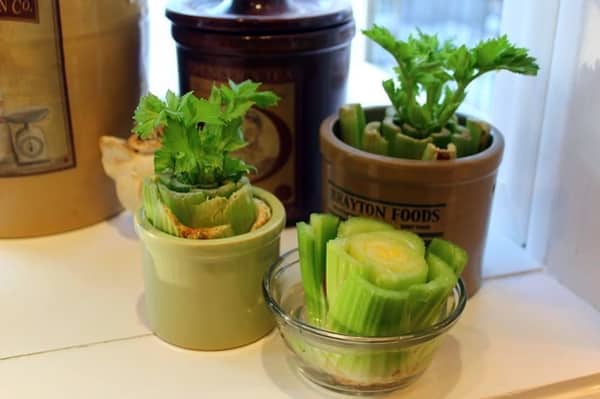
[{"x": 206, "y": 294}]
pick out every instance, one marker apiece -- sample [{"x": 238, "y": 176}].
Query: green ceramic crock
[{"x": 206, "y": 294}]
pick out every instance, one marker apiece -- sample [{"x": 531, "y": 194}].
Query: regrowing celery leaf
[
  {"x": 441, "y": 72},
  {"x": 198, "y": 134}
]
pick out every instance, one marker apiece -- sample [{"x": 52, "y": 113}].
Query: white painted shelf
[{"x": 73, "y": 326}]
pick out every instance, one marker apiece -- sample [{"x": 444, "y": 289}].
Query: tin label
[
  {"x": 427, "y": 220},
  {"x": 35, "y": 131},
  {"x": 269, "y": 132},
  {"x": 19, "y": 10}
]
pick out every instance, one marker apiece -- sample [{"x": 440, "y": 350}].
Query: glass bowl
[{"x": 351, "y": 364}]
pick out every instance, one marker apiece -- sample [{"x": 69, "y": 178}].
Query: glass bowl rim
[{"x": 411, "y": 338}]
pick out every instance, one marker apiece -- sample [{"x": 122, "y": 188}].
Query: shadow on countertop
[{"x": 123, "y": 224}]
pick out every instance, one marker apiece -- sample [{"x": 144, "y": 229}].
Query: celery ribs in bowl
[{"x": 361, "y": 305}]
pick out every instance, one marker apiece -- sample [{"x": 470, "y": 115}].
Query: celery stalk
[
  {"x": 314, "y": 297},
  {"x": 373, "y": 141},
  {"x": 481, "y": 131},
  {"x": 394, "y": 258},
  {"x": 380, "y": 282},
  {"x": 409, "y": 147},
  {"x": 159, "y": 215},
  {"x": 358, "y": 225},
  {"x": 352, "y": 124},
  {"x": 340, "y": 265},
  {"x": 452, "y": 254},
  {"x": 466, "y": 141},
  {"x": 427, "y": 300},
  {"x": 312, "y": 243},
  {"x": 324, "y": 228},
  {"x": 442, "y": 138},
  {"x": 389, "y": 129},
  {"x": 433, "y": 152},
  {"x": 364, "y": 309}
]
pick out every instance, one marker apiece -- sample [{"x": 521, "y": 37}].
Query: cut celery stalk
[
  {"x": 466, "y": 141},
  {"x": 389, "y": 129},
  {"x": 352, "y": 124},
  {"x": 475, "y": 131},
  {"x": 452, "y": 254},
  {"x": 433, "y": 153},
  {"x": 408, "y": 147},
  {"x": 181, "y": 203},
  {"x": 427, "y": 301},
  {"x": 155, "y": 211},
  {"x": 479, "y": 131},
  {"x": 463, "y": 145},
  {"x": 395, "y": 259},
  {"x": 440, "y": 271},
  {"x": 312, "y": 280},
  {"x": 364, "y": 265},
  {"x": 340, "y": 265},
  {"x": 410, "y": 131},
  {"x": 324, "y": 229},
  {"x": 357, "y": 225},
  {"x": 362, "y": 225},
  {"x": 442, "y": 138},
  {"x": 452, "y": 124},
  {"x": 361, "y": 308},
  {"x": 238, "y": 210},
  {"x": 373, "y": 141},
  {"x": 231, "y": 204}
]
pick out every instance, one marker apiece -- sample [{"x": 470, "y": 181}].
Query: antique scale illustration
[{"x": 35, "y": 131}]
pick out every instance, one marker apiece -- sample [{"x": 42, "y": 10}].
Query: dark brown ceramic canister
[
  {"x": 298, "y": 49},
  {"x": 448, "y": 199}
]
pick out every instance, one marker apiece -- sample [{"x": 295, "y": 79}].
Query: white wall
[
  {"x": 518, "y": 111},
  {"x": 565, "y": 222}
]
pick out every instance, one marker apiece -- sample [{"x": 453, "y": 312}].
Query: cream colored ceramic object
[
  {"x": 128, "y": 162},
  {"x": 206, "y": 294}
]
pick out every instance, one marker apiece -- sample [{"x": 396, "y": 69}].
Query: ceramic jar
[
  {"x": 448, "y": 199},
  {"x": 298, "y": 49}
]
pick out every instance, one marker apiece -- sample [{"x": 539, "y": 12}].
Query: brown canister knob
[
  {"x": 259, "y": 7},
  {"x": 298, "y": 49}
]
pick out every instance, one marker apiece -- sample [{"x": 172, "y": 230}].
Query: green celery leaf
[
  {"x": 172, "y": 101},
  {"x": 461, "y": 63},
  {"x": 498, "y": 54},
  {"x": 149, "y": 116},
  {"x": 426, "y": 66},
  {"x": 265, "y": 99},
  {"x": 199, "y": 134},
  {"x": 245, "y": 88},
  {"x": 390, "y": 88},
  {"x": 240, "y": 109},
  {"x": 176, "y": 153},
  {"x": 234, "y": 168},
  {"x": 199, "y": 110},
  {"x": 234, "y": 138}
]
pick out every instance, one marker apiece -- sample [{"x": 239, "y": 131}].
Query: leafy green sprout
[
  {"x": 440, "y": 72},
  {"x": 199, "y": 134}
]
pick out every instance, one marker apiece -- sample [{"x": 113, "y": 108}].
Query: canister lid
[{"x": 259, "y": 16}]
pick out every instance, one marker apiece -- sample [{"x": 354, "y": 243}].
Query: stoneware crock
[
  {"x": 449, "y": 199},
  {"x": 206, "y": 294}
]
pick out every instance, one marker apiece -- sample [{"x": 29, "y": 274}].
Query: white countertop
[{"x": 73, "y": 326}]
